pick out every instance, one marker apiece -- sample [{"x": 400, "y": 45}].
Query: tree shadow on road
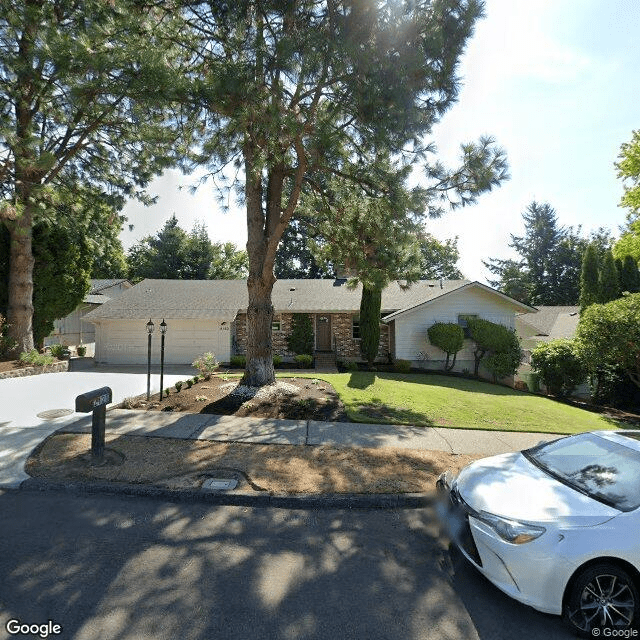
[{"x": 123, "y": 569}]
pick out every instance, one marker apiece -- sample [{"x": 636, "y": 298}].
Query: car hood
[{"x": 509, "y": 485}]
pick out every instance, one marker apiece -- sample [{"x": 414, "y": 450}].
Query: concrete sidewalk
[
  {"x": 191, "y": 426},
  {"x": 283, "y": 432}
]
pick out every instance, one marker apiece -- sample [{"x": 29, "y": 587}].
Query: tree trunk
[
  {"x": 20, "y": 303},
  {"x": 259, "y": 369}
]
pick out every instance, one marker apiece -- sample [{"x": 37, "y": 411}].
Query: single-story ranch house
[{"x": 210, "y": 315}]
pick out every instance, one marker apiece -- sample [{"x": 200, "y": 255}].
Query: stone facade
[{"x": 345, "y": 346}]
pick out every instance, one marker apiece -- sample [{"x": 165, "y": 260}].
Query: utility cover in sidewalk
[
  {"x": 52, "y": 414},
  {"x": 219, "y": 484}
]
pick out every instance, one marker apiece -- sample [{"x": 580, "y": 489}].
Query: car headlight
[{"x": 512, "y": 531}]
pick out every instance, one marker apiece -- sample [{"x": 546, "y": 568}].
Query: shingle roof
[
  {"x": 95, "y": 299},
  {"x": 554, "y": 322},
  {"x": 224, "y": 298},
  {"x": 463, "y": 285},
  {"x": 99, "y": 285}
]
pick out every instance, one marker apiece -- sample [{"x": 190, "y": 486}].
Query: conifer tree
[
  {"x": 293, "y": 90},
  {"x": 629, "y": 275},
  {"x": 608, "y": 283},
  {"x": 80, "y": 84},
  {"x": 589, "y": 278}
]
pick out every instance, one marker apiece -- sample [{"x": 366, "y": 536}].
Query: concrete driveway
[{"x": 22, "y": 399}]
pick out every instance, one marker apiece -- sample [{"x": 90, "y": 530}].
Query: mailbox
[
  {"x": 91, "y": 400},
  {"x": 95, "y": 402}
]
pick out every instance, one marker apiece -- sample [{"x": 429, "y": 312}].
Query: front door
[{"x": 323, "y": 333}]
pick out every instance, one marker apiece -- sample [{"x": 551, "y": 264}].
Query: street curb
[{"x": 279, "y": 501}]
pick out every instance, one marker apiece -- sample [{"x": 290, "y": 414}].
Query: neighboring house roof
[
  {"x": 95, "y": 299},
  {"x": 439, "y": 293},
  {"x": 98, "y": 285},
  {"x": 553, "y": 322},
  {"x": 225, "y": 298}
]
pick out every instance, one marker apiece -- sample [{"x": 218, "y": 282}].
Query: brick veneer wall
[{"x": 341, "y": 335}]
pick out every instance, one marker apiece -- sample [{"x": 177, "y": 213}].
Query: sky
[{"x": 555, "y": 82}]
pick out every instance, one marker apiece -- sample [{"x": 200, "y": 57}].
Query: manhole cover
[
  {"x": 218, "y": 484},
  {"x": 52, "y": 414}
]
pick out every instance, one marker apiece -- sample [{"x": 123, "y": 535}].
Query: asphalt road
[{"x": 108, "y": 567}]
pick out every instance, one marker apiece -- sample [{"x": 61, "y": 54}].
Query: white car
[{"x": 557, "y": 527}]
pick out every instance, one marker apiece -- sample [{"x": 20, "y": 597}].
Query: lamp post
[
  {"x": 150, "y": 327},
  {"x": 163, "y": 331}
]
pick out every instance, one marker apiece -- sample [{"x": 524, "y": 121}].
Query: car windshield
[{"x": 598, "y": 467}]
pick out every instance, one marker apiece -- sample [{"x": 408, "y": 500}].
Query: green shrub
[
  {"x": 351, "y": 365},
  {"x": 502, "y": 364},
  {"x": 300, "y": 340},
  {"x": 492, "y": 339},
  {"x": 189, "y": 383},
  {"x": 277, "y": 360},
  {"x": 608, "y": 336},
  {"x": 57, "y": 350},
  {"x": 82, "y": 350},
  {"x": 166, "y": 393},
  {"x": 303, "y": 360},
  {"x": 36, "y": 359},
  {"x": 196, "y": 379},
  {"x": 449, "y": 337},
  {"x": 239, "y": 362},
  {"x": 206, "y": 364},
  {"x": 7, "y": 344},
  {"x": 402, "y": 366},
  {"x": 559, "y": 364},
  {"x": 178, "y": 385}
]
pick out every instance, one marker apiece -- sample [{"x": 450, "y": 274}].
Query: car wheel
[{"x": 602, "y": 596}]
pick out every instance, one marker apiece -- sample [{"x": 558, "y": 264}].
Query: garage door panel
[{"x": 125, "y": 342}]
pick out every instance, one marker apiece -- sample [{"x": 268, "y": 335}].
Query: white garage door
[{"x": 125, "y": 341}]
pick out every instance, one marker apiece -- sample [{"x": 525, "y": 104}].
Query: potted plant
[{"x": 82, "y": 350}]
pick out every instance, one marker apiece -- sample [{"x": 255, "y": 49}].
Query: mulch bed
[{"x": 291, "y": 398}]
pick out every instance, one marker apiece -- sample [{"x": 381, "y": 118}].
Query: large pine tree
[
  {"x": 79, "y": 90},
  {"x": 293, "y": 90}
]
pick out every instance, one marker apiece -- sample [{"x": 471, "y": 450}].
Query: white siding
[
  {"x": 411, "y": 327},
  {"x": 72, "y": 330},
  {"x": 125, "y": 341}
]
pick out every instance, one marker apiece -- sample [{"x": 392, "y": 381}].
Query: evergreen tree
[
  {"x": 549, "y": 269},
  {"x": 162, "y": 256},
  {"x": 297, "y": 90},
  {"x": 629, "y": 275},
  {"x": 198, "y": 254},
  {"x": 174, "y": 254},
  {"x": 589, "y": 279},
  {"x": 80, "y": 84},
  {"x": 229, "y": 263},
  {"x": 608, "y": 283},
  {"x": 370, "y": 305},
  {"x": 295, "y": 258},
  {"x": 300, "y": 339},
  {"x": 439, "y": 259},
  {"x": 541, "y": 276}
]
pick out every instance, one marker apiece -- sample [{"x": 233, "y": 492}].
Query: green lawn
[{"x": 443, "y": 401}]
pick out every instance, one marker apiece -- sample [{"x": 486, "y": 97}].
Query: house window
[
  {"x": 462, "y": 321},
  {"x": 355, "y": 328},
  {"x": 276, "y": 325}
]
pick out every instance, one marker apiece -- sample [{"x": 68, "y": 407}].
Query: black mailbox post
[{"x": 96, "y": 402}]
